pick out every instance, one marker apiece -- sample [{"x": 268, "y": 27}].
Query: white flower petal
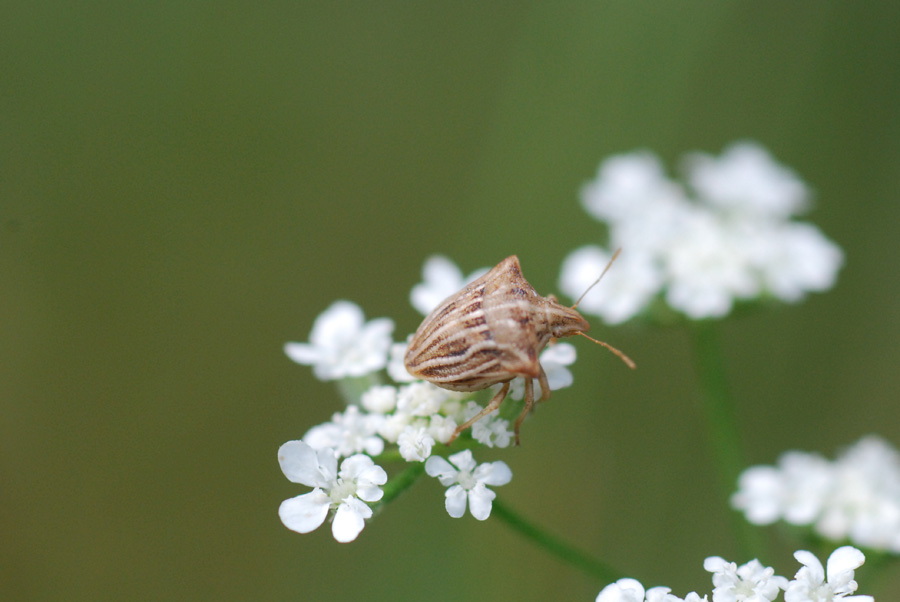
[
  {"x": 303, "y": 353},
  {"x": 811, "y": 564},
  {"x": 563, "y": 354},
  {"x": 746, "y": 178},
  {"x": 353, "y": 466},
  {"x": 339, "y": 323},
  {"x": 436, "y": 466},
  {"x": 626, "y": 186},
  {"x": 349, "y": 520},
  {"x": 301, "y": 464},
  {"x": 480, "y": 499},
  {"x": 455, "y": 501},
  {"x": 844, "y": 559},
  {"x": 306, "y": 512},
  {"x": 496, "y": 473},
  {"x": 558, "y": 377},
  {"x": 715, "y": 564},
  {"x": 463, "y": 460},
  {"x": 660, "y": 594},
  {"x": 441, "y": 279}
]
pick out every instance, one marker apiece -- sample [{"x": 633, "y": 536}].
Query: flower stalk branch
[
  {"x": 724, "y": 435},
  {"x": 583, "y": 561}
]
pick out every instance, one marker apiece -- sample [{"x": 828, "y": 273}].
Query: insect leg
[
  {"x": 545, "y": 386},
  {"x": 529, "y": 403},
  {"x": 495, "y": 402}
]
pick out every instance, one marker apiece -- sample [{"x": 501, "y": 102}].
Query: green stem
[
  {"x": 553, "y": 545},
  {"x": 562, "y": 550},
  {"x": 723, "y": 431}
]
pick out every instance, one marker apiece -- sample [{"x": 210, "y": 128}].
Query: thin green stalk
[
  {"x": 579, "y": 559},
  {"x": 724, "y": 435}
]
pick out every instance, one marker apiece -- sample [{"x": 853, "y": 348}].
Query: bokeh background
[{"x": 185, "y": 185}]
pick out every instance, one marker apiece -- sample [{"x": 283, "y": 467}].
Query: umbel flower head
[
  {"x": 725, "y": 236},
  {"x": 754, "y": 582},
  {"x": 855, "y": 497}
]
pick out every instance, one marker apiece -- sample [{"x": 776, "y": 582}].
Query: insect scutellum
[{"x": 492, "y": 331}]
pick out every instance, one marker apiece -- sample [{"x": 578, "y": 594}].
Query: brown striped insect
[{"x": 492, "y": 331}]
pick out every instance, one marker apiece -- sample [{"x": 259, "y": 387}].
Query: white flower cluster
[
  {"x": 855, "y": 497},
  {"x": 753, "y": 582},
  {"x": 726, "y": 236},
  {"x": 410, "y": 415}
]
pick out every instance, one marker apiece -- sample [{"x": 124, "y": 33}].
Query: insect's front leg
[{"x": 495, "y": 402}]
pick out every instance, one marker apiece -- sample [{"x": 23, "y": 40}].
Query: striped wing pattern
[{"x": 488, "y": 333}]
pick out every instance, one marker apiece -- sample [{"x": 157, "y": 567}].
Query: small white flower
[
  {"x": 393, "y": 424},
  {"x": 348, "y": 433},
  {"x": 746, "y": 178},
  {"x": 441, "y": 428},
  {"x": 795, "y": 491},
  {"x": 342, "y": 344},
  {"x": 554, "y": 359},
  {"x": 751, "y": 582},
  {"x": 379, "y": 399},
  {"x": 491, "y": 430},
  {"x": 467, "y": 481},
  {"x": 441, "y": 278},
  {"x": 415, "y": 443},
  {"x": 358, "y": 481},
  {"x": 421, "y": 399},
  {"x": 631, "y": 590},
  {"x": 628, "y": 187},
  {"x": 623, "y": 590},
  {"x": 810, "y": 585}
]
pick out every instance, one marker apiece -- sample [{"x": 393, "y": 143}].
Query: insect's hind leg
[
  {"x": 529, "y": 403},
  {"x": 529, "y": 398},
  {"x": 495, "y": 402},
  {"x": 545, "y": 386}
]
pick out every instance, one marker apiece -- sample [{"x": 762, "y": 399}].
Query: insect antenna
[
  {"x": 628, "y": 361},
  {"x": 602, "y": 274}
]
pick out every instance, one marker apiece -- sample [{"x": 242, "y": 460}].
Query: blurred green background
[{"x": 185, "y": 185}]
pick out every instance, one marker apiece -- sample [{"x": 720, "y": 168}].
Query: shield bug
[{"x": 492, "y": 331}]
